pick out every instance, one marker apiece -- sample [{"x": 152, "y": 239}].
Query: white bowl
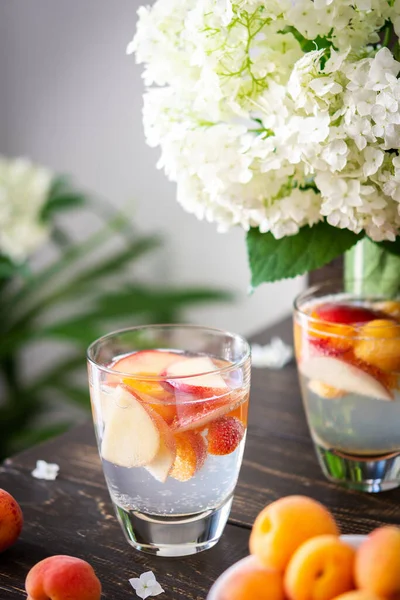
[{"x": 352, "y": 540}]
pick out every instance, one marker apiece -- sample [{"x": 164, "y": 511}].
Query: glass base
[
  {"x": 174, "y": 535},
  {"x": 366, "y": 474}
]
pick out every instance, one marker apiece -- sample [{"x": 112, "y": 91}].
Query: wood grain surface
[{"x": 73, "y": 515}]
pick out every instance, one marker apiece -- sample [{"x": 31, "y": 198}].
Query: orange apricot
[
  {"x": 320, "y": 569},
  {"x": 358, "y": 595},
  {"x": 286, "y": 524},
  {"x": 11, "y": 520},
  {"x": 250, "y": 581},
  {"x": 62, "y": 578},
  {"x": 377, "y": 566}
]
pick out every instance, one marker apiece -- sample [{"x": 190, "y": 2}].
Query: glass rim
[
  {"x": 235, "y": 365},
  {"x": 311, "y": 290}
]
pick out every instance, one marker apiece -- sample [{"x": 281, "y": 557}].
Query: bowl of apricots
[{"x": 297, "y": 553}]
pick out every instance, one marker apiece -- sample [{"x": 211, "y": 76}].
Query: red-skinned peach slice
[
  {"x": 131, "y": 436},
  {"x": 197, "y": 414},
  {"x": 204, "y": 383},
  {"x": 224, "y": 436},
  {"x": 161, "y": 466},
  {"x": 191, "y": 453},
  {"x": 150, "y": 363}
]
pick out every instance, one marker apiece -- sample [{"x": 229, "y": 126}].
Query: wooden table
[{"x": 73, "y": 515}]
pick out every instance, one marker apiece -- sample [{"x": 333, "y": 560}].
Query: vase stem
[{"x": 370, "y": 270}]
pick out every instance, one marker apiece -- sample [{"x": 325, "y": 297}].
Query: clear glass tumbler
[
  {"x": 348, "y": 355},
  {"x": 170, "y": 413}
]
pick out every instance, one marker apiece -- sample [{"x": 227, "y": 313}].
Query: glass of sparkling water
[
  {"x": 348, "y": 355},
  {"x": 170, "y": 409}
]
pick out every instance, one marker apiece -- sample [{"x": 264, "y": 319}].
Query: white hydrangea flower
[
  {"x": 24, "y": 189},
  {"x": 275, "y": 113}
]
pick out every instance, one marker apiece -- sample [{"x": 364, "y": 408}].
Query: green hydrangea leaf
[{"x": 313, "y": 247}]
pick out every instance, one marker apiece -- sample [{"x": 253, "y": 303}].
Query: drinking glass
[
  {"x": 170, "y": 409},
  {"x": 348, "y": 354}
]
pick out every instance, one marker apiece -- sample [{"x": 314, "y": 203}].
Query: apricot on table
[
  {"x": 320, "y": 569},
  {"x": 62, "y": 578},
  {"x": 379, "y": 344},
  {"x": 11, "y": 520},
  {"x": 251, "y": 581},
  {"x": 286, "y": 524},
  {"x": 377, "y": 566}
]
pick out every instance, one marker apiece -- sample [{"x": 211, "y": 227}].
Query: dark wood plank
[{"x": 65, "y": 517}]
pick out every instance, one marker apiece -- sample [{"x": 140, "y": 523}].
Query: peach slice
[
  {"x": 161, "y": 466},
  {"x": 131, "y": 437},
  {"x": 224, "y": 436},
  {"x": 145, "y": 363},
  {"x": 320, "y": 569},
  {"x": 192, "y": 414},
  {"x": 191, "y": 453},
  {"x": 333, "y": 371},
  {"x": 204, "y": 383}
]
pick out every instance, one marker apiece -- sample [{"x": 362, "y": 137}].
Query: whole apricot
[
  {"x": 358, "y": 595},
  {"x": 249, "y": 581},
  {"x": 320, "y": 569},
  {"x": 377, "y": 566},
  {"x": 11, "y": 520},
  {"x": 286, "y": 524},
  {"x": 62, "y": 578}
]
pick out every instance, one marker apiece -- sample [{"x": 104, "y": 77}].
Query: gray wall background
[{"x": 70, "y": 98}]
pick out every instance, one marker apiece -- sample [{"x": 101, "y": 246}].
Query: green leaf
[
  {"x": 72, "y": 393},
  {"x": 62, "y": 196},
  {"x": 271, "y": 259},
  {"x": 10, "y": 269},
  {"x": 81, "y": 329},
  {"x": 138, "y": 299},
  {"x": 111, "y": 266},
  {"x": 36, "y": 435},
  {"x": 57, "y": 372}
]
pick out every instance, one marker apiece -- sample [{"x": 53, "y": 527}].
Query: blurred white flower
[
  {"x": 24, "y": 189},
  {"x": 274, "y": 355},
  {"x": 45, "y": 470}
]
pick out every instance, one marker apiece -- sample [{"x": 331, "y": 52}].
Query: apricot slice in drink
[
  {"x": 379, "y": 344},
  {"x": 191, "y": 453}
]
